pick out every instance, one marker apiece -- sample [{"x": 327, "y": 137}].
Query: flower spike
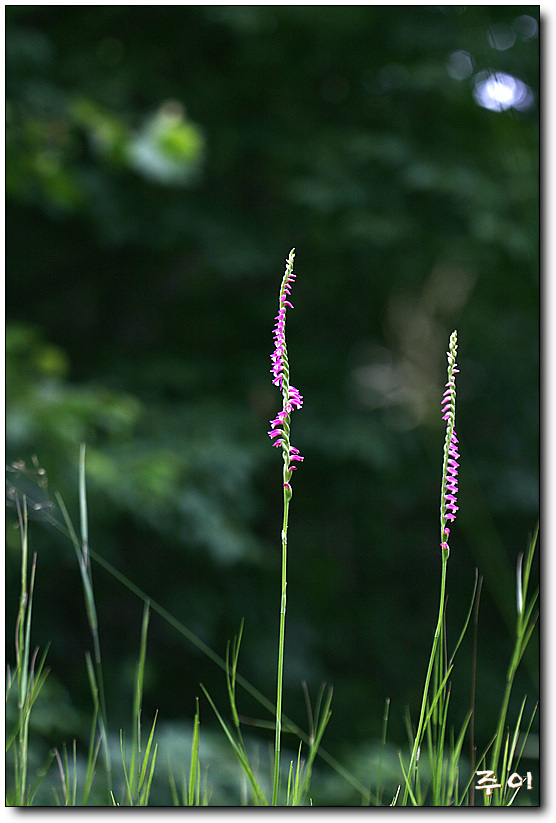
[
  {"x": 449, "y": 491},
  {"x": 280, "y": 371}
]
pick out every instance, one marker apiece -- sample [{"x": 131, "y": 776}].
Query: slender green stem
[
  {"x": 281, "y": 641},
  {"x": 433, "y": 657}
]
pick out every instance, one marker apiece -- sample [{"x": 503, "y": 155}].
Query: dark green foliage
[{"x": 160, "y": 163}]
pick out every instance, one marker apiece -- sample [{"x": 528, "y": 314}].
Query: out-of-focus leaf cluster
[{"x": 176, "y": 474}]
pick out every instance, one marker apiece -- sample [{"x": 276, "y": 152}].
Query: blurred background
[{"x": 161, "y": 162}]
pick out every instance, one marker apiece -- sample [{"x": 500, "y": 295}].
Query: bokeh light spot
[
  {"x": 526, "y": 27},
  {"x": 459, "y": 65},
  {"x": 498, "y": 91},
  {"x": 501, "y": 36}
]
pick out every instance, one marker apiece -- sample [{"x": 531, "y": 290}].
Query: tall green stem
[
  {"x": 281, "y": 641},
  {"x": 434, "y": 657}
]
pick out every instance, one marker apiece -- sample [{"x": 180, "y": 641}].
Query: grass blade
[
  {"x": 193, "y": 800},
  {"x": 240, "y": 754}
]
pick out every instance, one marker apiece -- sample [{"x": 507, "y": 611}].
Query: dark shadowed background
[{"x": 161, "y": 162}]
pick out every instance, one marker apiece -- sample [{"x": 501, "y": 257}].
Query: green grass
[{"x": 436, "y": 777}]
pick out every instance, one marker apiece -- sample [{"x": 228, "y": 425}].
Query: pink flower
[
  {"x": 452, "y": 478},
  {"x": 295, "y": 398}
]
